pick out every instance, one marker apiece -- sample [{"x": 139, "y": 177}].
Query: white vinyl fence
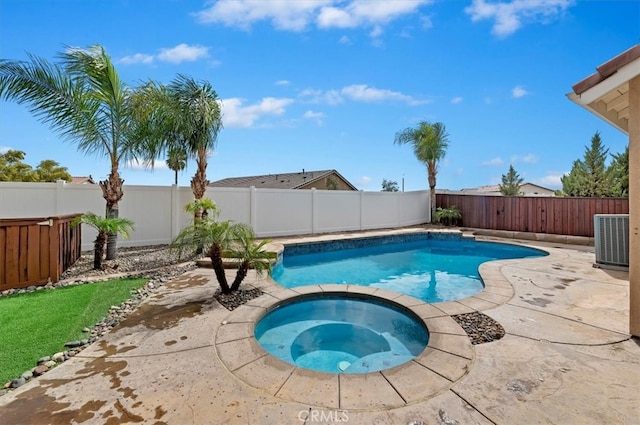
[{"x": 158, "y": 211}]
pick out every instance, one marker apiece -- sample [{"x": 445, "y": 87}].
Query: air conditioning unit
[{"x": 611, "y": 234}]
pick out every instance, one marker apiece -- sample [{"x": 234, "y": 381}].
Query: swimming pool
[
  {"x": 339, "y": 333},
  {"x": 429, "y": 266}
]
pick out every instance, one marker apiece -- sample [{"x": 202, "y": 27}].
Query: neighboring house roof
[
  {"x": 526, "y": 187},
  {"x": 606, "y": 92},
  {"x": 299, "y": 180},
  {"x": 82, "y": 180}
]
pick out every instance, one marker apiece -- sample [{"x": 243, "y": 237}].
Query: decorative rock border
[{"x": 116, "y": 314}]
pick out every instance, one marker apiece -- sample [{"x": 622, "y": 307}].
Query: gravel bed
[
  {"x": 237, "y": 298},
  {"x": 480, "y": 327},
  {"x": 132, "y": 259}
]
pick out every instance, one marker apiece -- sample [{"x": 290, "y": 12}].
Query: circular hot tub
[{"x": 342, "y": 333}]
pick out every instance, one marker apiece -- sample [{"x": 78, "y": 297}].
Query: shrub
[{"x": 450, "y": 216}]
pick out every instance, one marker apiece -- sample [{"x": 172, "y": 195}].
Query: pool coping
[
  {"x": 447, "y": 358},
  {"x": 410, "y": 382}
]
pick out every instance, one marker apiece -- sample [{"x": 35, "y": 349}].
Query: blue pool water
[
  {"x": 340, "y": 334},
  {"x": 430, "y": 267}
]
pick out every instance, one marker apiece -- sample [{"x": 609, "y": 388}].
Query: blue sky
[{"x": 326, "y": 84}]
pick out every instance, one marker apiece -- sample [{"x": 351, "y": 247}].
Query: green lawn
[{"x": 38, "y": 324}]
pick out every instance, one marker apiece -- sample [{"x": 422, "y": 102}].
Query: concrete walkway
[{"x": 566, "y": 359}]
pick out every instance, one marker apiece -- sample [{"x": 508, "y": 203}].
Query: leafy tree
[
  {"x": 589, "y": 177},
  {"x": 389, "y": 186},
  {"x": 430, "y": 142},
  {"x": 12, "y": 169},
  {"x": 104, "y": 226},
  {"x": 50, "y": 171},
  {"x": 84, "y": 100},
  {"x": 176, "y": 160},
  {"x": 511, "y": 183},
  {"x": 619, "y": 174},
  {"x": 185, "y": 114}
]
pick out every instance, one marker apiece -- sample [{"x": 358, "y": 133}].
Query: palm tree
[
  {"x": 83, "y": 99},
  {"x": 430, "y": 142},
  {"x": 216, "y": 237},
  {"x": 176, "y": 160},
  {"x": 200, "y": 209},
  {"x": 251, "y": 255},
  {"x": 185, "y": 114},
  {"x": 104, "y": 226}
]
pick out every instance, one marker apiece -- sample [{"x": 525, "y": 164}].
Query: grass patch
[{"x": 38, "y": 324}]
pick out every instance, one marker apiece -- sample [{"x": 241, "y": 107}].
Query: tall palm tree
[
  {"x": 104, "y": 226},
  {"x": 84, "y": 100},
  {"x": 430, "y": 142},
  {"x": 185, "y": 114},
  {"x": 176, "y": 160}
]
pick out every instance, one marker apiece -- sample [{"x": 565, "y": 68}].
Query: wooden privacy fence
[
  {"x": 35, "y": 250},
  {"x": 537, "y": 214}
]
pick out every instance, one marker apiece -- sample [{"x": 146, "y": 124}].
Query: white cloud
[
  {"x": 284, "y": 15},
  {"x": 494, "y": 162},
  {"x": 283, "y": 83},
  {"x": 530, "y": 158},
  {"x": 236, "y": 114},
  {"x": 298, "y": 15},
  {"x": 427, "y": 23},
  {"x": 345, "y": 40},
  {"x": 5, "y": 149},
  {"x": 364, "y": 180},
  {"x": 178, "y": 54},
  {"x": 330, "y": 97},
  {"x": 317, "y": 116},
  {"x": 518, "y": 91},
  {"x": 137, "y": 58},
  {"x": 552, "y": 179},
  {"x": 376, "y": 31},
  {"x": 357, "y": 93},
  {"x": 527, "y": 159},
  {"x": 135, "y": 164},
  {"x": 183, "y": 53},
  {"x": 364, "y": 93},
  {"x": 510, "y": 16},
  {"x": 456, "y": 100},
  {"x": 364, "y": 12}
]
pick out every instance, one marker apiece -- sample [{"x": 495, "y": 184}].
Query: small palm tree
[
  {"x": 430, "y": 142},
  {"x": 176, "y": 160},
  {"x": 252, "y": 256},
  {"x": 200, "y": 208},
  {"x": 215, "y": 237},
  {"x": 104, "y": 226}
]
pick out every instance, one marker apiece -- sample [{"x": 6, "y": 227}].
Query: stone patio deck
[{"x": 566, "y": 358}]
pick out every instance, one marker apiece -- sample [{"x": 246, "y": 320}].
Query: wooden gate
[{"x": 36, "y": 250}]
